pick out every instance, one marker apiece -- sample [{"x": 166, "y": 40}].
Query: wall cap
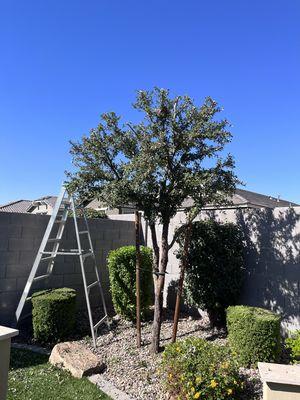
[
  {"x": 6, "y": 333},
  {"x": 279, "y": 373}
]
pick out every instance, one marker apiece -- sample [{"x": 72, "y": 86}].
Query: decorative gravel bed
[{"x": 136, "y": 371}]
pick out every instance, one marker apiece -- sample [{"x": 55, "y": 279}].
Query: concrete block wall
[
  {"x": 272, "y": 258},
  {"x": 20, "y": 238}
]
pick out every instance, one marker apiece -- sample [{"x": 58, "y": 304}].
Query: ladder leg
[
  {"x": 39, "y": 255},
  {"x": 83, "y": 275},
  {"x": 96, "y": 269}
]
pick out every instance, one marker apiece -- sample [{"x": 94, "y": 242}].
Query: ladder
[{"x": 64, "y": 204}]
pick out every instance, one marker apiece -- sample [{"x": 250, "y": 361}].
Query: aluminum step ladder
[{"x": 64, "y": 204}]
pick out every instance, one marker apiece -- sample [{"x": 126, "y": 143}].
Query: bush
[
  {"x": 53, "y": 314},
  {"x": 122, "y": 276},
  {"x": 215, "y": 271},
  {"x": 253, "y": 334},
  {"x": 195, "y": 368},
  {"x": 293, "y": 345}
]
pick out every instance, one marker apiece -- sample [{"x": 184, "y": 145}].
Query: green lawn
[{"x": 31, "y": 377}]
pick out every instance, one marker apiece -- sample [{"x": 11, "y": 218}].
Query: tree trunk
[
  {"x": 159, "y": 282},
  {"x": 183, "y": 267}
]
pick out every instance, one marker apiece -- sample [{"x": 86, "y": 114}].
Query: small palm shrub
[
  {"x": 197, "y": 369},
  {"x": 215, "y": 268},
  {"x": 253, "y": 334},
  {"x": 293, "y": 345},
  {"x": 122, "y": 276},
  {"x": 53, "y": 314}
]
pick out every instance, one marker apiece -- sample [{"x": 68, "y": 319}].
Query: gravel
[{"x": 135, "y": 371}]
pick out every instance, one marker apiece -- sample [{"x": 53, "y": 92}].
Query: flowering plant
[{"x": 197, "y": 369}]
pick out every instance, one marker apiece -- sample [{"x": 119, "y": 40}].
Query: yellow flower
[
  {"x": 229, "y": 391},
  {"x": 197, "y": 395},
  {"x": 198, "y": 379},
  {"x": 170, "y": 376},
  {"x": 213, "y": 383},
  {"x": 192, "y": 390},
  {"x": 225, "y": 365},
  {"x": 177, "y": 348}
]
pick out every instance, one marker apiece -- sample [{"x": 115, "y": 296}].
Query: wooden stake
[
  {"x": 138, "y": 266},
  {"x": 183, "y": 266}
]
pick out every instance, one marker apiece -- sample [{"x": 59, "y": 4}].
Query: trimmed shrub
[
  {"x": 253, "y": 334},
  {"x": 216, "y": 265},
  {"x": 293, "y": 345},
  {"x": 53, "y": 314},
  {"x": 198, "y": 369},
  {"x": 122, "y": 276}
]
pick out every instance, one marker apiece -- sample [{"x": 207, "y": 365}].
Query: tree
[{"x": 174, "y": 153}]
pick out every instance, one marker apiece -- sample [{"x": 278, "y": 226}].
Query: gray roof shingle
[{"x": 18, "y": 206}]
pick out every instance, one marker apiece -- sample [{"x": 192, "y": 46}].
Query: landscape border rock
[{"x": 77, "y": 359}]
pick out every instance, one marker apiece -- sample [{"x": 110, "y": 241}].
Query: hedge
[
  {"x": 122, "y": 276},
  {"x": 53, "y": 314},
  {"x": 198, "y": 369},
  {"x": 253, "y": 334},
  {"x": 293, "y": 345},
  {"x": 216, "y": 268}
]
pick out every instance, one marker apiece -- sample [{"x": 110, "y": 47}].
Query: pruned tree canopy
[{"x": 175, "y": 152}]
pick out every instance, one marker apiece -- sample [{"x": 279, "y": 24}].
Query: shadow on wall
[{"x": 272, "y": 262}]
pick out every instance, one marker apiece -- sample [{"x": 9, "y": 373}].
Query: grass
[{"x": 31, "y": 377}]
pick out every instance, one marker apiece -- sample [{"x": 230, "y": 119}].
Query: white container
[{"x": 5, "y": 339}]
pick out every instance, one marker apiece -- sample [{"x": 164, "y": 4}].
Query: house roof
[
  {"x": 49, "y": 200},
  {"x": 23, "y": 206},
  {"x": 246, "y": 198},
  {"x": 18, "y": 206}
]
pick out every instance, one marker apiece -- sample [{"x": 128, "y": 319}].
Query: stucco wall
[
  {"x": 272, "y": 258},
  {"x": 20, "y": 237}
]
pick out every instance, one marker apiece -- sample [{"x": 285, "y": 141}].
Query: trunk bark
[
  {"x": 159, "y": 282},
  {"x": 184, "y": 263}
]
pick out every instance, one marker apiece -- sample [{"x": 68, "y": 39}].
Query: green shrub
[
  {"x": 216, "y": 266},
  {"x": 122, "y": 276},
  {"x": 195, "y": 368},
  {"x": 253, "y": 334},
  {"x": 53, "y": 314},
  {"x": 293, "y": 345}
]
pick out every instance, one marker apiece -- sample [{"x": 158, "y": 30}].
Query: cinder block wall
[
  {"x": 272, "y": 258},
  {"x": 20, "y": 238}
]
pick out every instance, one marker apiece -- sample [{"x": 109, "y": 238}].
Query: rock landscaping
[
  {"x": 137, "y": 372},
  {"x": 76, "y": 359}
]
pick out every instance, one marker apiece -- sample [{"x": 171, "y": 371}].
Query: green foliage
[
  {"x": 195, "y": 368},
  {"x": 89, "y": 213},
  {"x": 53, "y": 314},
  {"x": 253, "y": 334},
  {"x": 32, "y": 377},
  {"x": 159, "y": 162},
  {"x": 293, "y": 344},
  {"x": 215, "y": 267},
  {"x": 122, "y": 275}
]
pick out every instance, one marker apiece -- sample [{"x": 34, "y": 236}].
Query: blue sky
[{"x": 63, "y": 63}]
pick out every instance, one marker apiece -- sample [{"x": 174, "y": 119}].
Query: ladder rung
[
  {"x": 83, "y": 232},
  {"x": 47, "y": 258},
  {"x": 100, "y": 322},
  {"x": 39, "y": 278},
  {"x": 53, "y": 240},
  {"x": 92, "y": 285},
  {"x": 87, "y": 255},
  {"x": 62, "y": 253}
]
